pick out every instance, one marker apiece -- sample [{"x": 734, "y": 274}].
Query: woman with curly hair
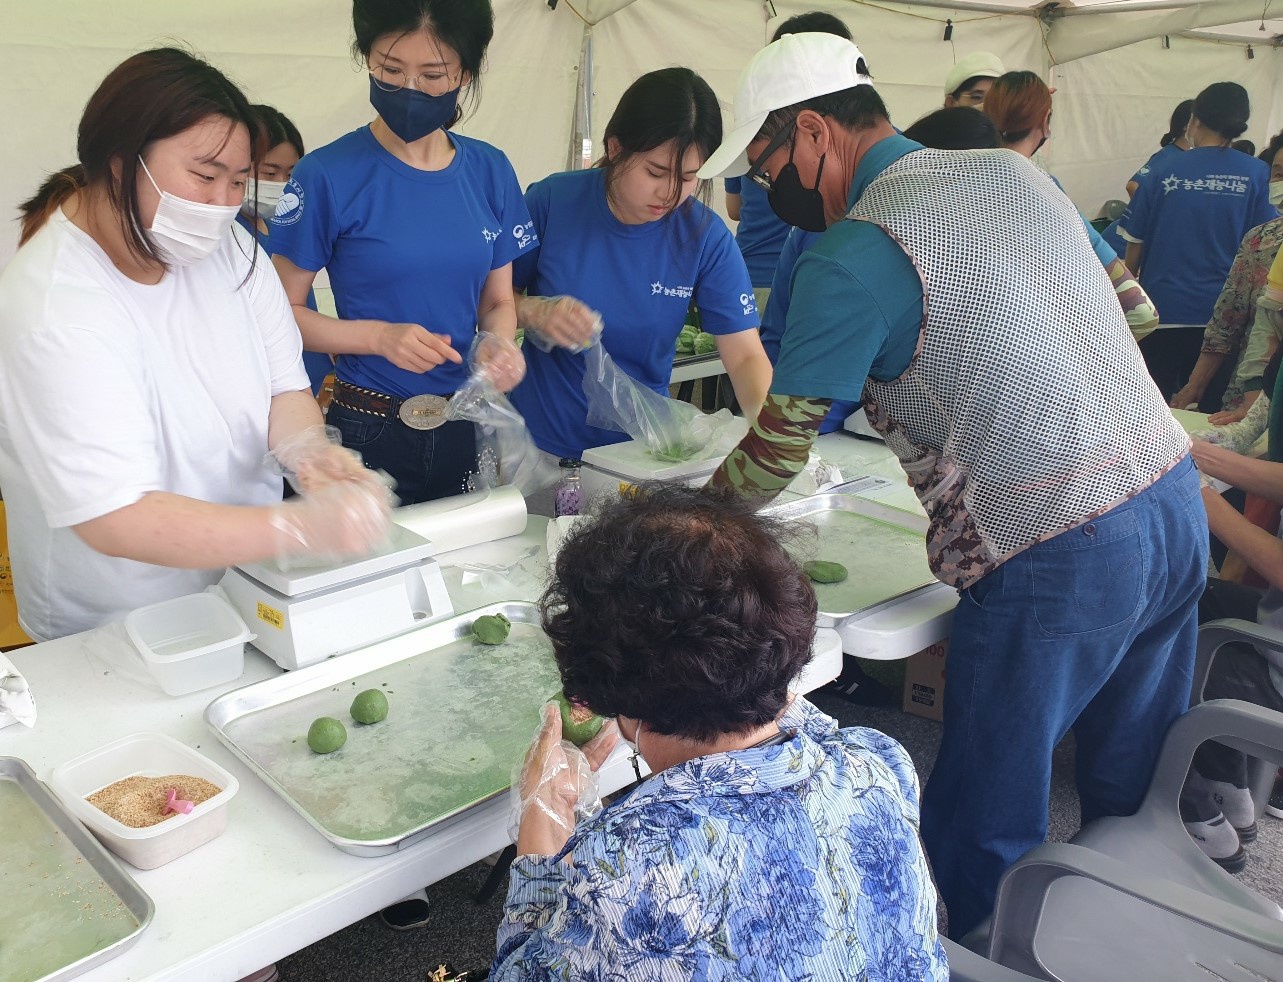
[{"x": 767, "y": 842}]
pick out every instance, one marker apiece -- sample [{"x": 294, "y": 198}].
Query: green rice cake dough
[
  {"x": 492, "y": 628},
  {"x": 823, "y": 571},
  {"x": 370, "y": 706},
  {"x": 579, "y": 724},
  {"x": 326, "y": 735}
]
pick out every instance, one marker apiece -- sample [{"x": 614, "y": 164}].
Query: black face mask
[{"x": 794, "y": 204}]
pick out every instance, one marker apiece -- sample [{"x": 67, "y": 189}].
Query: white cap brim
[{"x": 731, "y": 158}]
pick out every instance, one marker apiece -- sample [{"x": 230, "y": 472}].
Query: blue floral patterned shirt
[{"x": 798, "y": 861}]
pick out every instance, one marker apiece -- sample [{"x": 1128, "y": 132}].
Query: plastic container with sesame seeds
[{"x": 148, "y": 755}]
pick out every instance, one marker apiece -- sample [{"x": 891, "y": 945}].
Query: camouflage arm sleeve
[
  {"x": 776, "y": 448},
  {"x": 1142, "y": 318}
]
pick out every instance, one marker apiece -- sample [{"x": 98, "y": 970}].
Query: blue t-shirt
[
  {"x": 641, "y": 278},
  {"x": 856, "y": 306},
  {"x": 1158, "y": 159},
  {"x": 775, "y": 316},
  {"x": 317, "y": 364},
  {"x": 1191, "y": 212},
  {"x": 761, "y": 234},
  {"x": 402, "y": 244},
  {"x": 1114, "y": 240}
]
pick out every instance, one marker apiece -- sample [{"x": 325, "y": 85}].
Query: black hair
[
  {"x": 969, "y": 83},
  {"x": 466, "y": 26},
  {"x": 1271, "y": 149},
  {"x": 955, "y": 128},
  {"x": 1223, "y": 108},
  {"x": 813, "y": 22},
  {"x": 680, "y": 607},
  {"x": 148, "y": 97},
  {"x": 1244, "y": 146},
  {"x": 669, "y": 104},
  {"x": 277, "y": 128},
  {"x": 1179, "y": 121}
]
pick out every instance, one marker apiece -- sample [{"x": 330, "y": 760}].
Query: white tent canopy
[{"x": 1119, "y": 67}]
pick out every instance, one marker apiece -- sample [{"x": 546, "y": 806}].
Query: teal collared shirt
[{"x": 857, "y": 300}]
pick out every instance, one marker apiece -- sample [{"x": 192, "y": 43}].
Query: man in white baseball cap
[
  {"x": 956, "y": 295},
  {"x": 969, "y": 81}
]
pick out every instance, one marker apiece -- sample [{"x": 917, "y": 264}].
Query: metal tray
[
  {"x": 68, "y": 904},
  {"x": 462, "y": 715},
  {"x": 881, "y": 547}
]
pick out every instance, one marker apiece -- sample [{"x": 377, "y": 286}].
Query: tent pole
[
  {"x": 978, "y": 8},
  {"x": 581, "y": 151}
]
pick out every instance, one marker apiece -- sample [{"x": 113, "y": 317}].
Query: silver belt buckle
[{"x": 423, "y": 412}]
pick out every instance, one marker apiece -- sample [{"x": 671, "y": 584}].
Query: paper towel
[
  {"x": 466, "y": 519},
  {"x": 16, "y": 702}
]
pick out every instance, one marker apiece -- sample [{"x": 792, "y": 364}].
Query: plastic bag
[
  {"x": 506, "y": 454},
  {"x": 671, "y": 430}
]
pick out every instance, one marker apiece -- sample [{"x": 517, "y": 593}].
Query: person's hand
[
  {"x": 414, "y": 348},
  {"x": 564, "y": 321},
  {"x": 557, "y": 784},
  {"x": 1186, "y": 397},
  {"x": 1226, "y": 417},
  {"x": 314, "y": 457},
  {"x": 343, "y": 520},
  {"x": 500, "y": 361},
  {"x": 1213, "y": 459}
]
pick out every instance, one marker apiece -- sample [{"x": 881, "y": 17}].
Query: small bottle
[{"x": 570, "y": 495}]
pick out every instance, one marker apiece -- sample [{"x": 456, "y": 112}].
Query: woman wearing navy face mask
[{"x": 417, "y": 228}]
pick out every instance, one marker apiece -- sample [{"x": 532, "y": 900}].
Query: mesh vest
[{"x": 1027, "y": 409}]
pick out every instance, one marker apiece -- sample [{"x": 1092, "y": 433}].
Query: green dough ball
[
  {"x": 579, "y": 724},
  {"x": 492, "y": 628},
  {"x": 822, "y": 571},
  {"x": 705, "y": 344},
  {"x": 371, "y": 706},
  {"x": 326, "y": 735}
]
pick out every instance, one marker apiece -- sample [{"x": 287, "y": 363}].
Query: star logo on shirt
[
  {"x": 1170, "y": 184},
  {"x": 656, "y": 287}
]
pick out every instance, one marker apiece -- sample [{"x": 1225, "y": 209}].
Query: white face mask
[
  {"x": 1276, "y": 193},
  {"x": 185, "y": 232},
  {"x": 261, "y": 198}
]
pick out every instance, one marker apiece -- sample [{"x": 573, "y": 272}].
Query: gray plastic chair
[
  {"x": 1134, "y": 897},
  {"x": 1212, "y": 637},
  {"x": 967, "y": 966}
]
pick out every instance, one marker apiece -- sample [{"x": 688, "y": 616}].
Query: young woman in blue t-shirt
[
  {"x": 418, "y": 228},
  {"x": 628, "y": 240},
  {"x": 1185, "y": 224}
]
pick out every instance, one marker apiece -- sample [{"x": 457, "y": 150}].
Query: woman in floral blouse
[{"x": 768, "y": 843}]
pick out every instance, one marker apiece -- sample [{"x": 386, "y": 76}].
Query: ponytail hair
[
  {"x": 1179, "y": 121},
  {"x": 57, "y": 188}
]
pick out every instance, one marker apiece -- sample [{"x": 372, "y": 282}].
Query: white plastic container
[
  {"x": 190, "y": 643},
  {"x": 148, "y": 755}
]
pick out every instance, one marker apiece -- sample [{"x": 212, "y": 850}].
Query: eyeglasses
[
  {"x": 973, "y": 97},
  {"x": 755, "y": 172},
  {"x": 391, "y": 79}
]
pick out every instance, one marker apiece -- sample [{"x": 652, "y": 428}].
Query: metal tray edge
[
  {"x": 135, "y": 898},
  {"x": 813, "y": 504},
  {"x": 224, "y": 710}
]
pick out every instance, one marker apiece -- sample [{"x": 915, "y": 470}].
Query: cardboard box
[{"x": 924, "y": 682}]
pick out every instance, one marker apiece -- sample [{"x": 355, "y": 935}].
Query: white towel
[{"x": 16, "y": 702}]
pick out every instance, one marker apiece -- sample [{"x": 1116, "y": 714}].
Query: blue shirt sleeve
[
  {"x": 305, "y": 233},
  {"x": 1104, "y": 251},
  {"x": 526, "y": 264},
  {"x": 777, "y": 308},
  {"x": 842, "y": 328},
  {"x": 723, "y": 290},
  {"x": 732, "y": 185},
  {"x": 518, "y": 235},
  {"x": 1134, "y": 225}
]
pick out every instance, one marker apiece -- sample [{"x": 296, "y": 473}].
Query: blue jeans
[
  {"x": 426, "y": 464},
  {"x": 1094, "y": 631}
]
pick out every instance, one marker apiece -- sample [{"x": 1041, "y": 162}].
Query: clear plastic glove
[
  {"x": 342, "y": 520},
  {"x": 498, "y": 361},
  {"x": 556, "y": 786},
  {"x": 314, "y": 457},
  {"x": 559, "y": 322}
]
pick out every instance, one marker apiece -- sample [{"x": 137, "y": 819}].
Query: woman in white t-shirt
[{"x": 149, "y": 361}]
